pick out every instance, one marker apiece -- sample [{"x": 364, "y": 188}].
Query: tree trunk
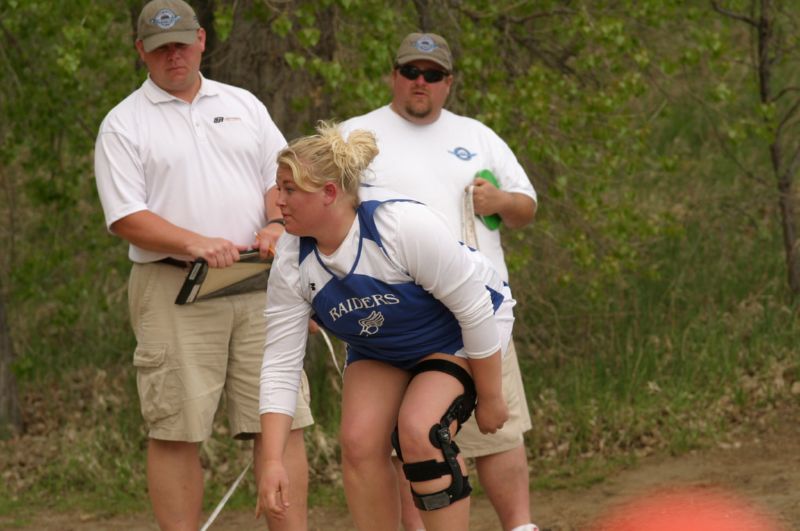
[
  {"x": 787, "y": 209},
  {"x": 10, "y": 418},
  {"x": 767, "y": 51},
  {"x": 253, "y": 58},
  {"x": 205, "y": 16},
  {"x": 423, "y": 15}
]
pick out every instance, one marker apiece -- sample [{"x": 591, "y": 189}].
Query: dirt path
[{"x": 763, "y": 467}]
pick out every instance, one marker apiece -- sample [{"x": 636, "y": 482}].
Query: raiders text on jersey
[{"x": 359, "y": 303}]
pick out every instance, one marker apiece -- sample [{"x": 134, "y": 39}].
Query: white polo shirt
[
  {"x": 203, "y": 166},
  {"x": 434, "y": 164}
]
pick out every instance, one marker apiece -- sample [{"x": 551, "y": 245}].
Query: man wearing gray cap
[
  {"x": 434, "y": 156},
  {"x": 185, "y": 169}
]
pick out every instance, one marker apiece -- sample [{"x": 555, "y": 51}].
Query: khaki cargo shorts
[
  {"x": 473, "y": 443},
  {"x": 187, "y": 356}
]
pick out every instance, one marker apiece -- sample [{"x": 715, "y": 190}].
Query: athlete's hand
[
  {"x": 273, "y": 491},
  {"x": 491, "y": 413}
]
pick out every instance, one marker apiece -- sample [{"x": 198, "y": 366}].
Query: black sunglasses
[{"x": 411, "y": 72}]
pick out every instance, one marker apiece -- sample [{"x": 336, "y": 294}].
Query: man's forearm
[
  {"x": 519, "y": 210},
  {"x": 152, "y": 232}
]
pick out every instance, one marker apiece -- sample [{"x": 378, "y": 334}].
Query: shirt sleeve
[
  {"x": 119, "y": 176},
  {"x": 287, "y": 315},
  {"x": 506, "y": 167},
  {"x": 436, "y": 261}
]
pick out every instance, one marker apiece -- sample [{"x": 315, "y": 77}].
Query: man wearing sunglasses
[{"x": 433, "y": 155}]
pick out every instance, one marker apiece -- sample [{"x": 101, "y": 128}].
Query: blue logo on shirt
[{"x": 463, "y": 153}]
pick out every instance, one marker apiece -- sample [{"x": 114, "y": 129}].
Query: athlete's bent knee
[{"x": 439, "y": 436}]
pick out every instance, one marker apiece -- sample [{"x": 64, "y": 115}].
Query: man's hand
[
  {"x": 267, "y": 239},
  {"x": 218, "y": 252},
  {"x": 273, "y": 491},
  {"x": 486, "y": 198},
  {"x": 515, "y": 209}
]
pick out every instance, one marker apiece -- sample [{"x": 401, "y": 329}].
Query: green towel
[{"x": 492, "y": 222}]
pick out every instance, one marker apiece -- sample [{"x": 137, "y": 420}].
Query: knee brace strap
[
  {"x": 464, "y": 404},
  {"x": 439, "y": 435},
  {"x": 461, "y": 408},
  {"x": 426, "y": 470}
]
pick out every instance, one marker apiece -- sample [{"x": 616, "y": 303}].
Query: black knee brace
[{"x": 459, "y": 411}]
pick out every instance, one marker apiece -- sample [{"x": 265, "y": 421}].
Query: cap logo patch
[
  {"x": 425, "y": 44},
  {"x": 165, "y": 19}
]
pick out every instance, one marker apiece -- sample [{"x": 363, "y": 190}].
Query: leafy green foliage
[{"x": 65, "y": 271}]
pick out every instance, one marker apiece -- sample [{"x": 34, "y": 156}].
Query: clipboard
[{"x": 250, "y": 273}]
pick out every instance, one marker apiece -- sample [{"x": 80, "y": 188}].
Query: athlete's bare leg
[
  {"x": 370, "y": 401},
  {"x": 427, "y": 398}
]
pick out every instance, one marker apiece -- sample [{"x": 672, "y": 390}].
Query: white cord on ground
[
  {"x": 333, "y": 354},
  {"x": 233, "y": 487},
  {"x": 224, "y": 499}
]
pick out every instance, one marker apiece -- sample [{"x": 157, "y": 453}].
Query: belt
[{"x": 174, "y": 262}]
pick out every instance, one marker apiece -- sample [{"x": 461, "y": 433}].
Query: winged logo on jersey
[{"x": 371, "y": 324}]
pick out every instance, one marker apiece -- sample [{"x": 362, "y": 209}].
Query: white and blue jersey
[{"x": 397, "y": 289}]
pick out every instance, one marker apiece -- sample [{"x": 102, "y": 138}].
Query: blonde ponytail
[{"x": 326, "y": 156}]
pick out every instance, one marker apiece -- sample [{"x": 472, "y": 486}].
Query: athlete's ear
[{"x": 330, "y": 192}]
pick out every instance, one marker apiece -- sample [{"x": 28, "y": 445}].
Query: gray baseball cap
[
  {"x": 427, "y": 46},
  {"x": 165, "y": 21}
]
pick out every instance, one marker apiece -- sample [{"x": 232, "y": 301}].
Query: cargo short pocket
[{"x": 160, "y": 386}]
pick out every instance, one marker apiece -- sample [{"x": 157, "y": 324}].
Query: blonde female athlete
[{"x": 424, "y": 317}]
